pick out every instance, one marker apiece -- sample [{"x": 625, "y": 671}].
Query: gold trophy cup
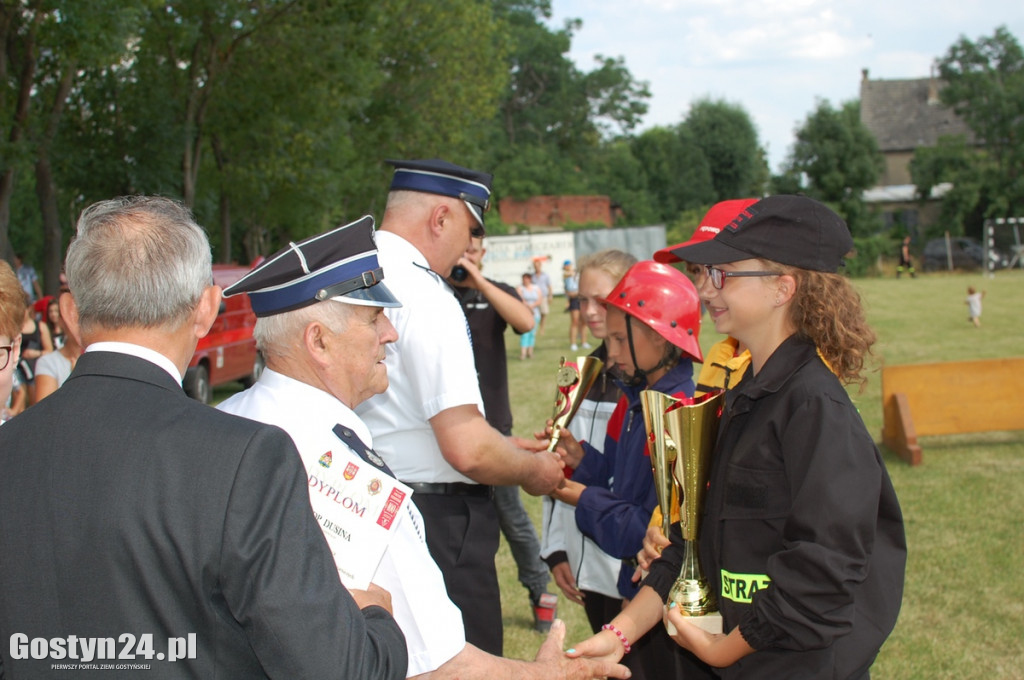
[
  {"x": 692, "y": 430},
  {"x": 664, "y": 451},
  {"x": 572, "y": 383}
]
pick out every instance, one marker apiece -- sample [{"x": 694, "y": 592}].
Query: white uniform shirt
[
  {"x": 430, "y": 367},
  {"x": 432, "y": 624}
]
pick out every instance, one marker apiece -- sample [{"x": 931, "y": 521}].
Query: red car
[{"x": 228, "y": 352}]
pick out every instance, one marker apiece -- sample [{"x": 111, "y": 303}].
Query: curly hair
[{"x": 827, "y": 310}]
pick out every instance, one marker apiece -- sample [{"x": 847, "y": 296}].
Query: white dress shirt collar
[{"x": 150, "y": 355}]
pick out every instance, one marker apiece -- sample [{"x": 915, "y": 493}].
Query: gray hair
[
  {"x": 280, "y": 335},
  {"x": 138, "y": 262}
]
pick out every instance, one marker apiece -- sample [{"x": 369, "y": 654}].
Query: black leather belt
[{"x": 452, "y": 489}]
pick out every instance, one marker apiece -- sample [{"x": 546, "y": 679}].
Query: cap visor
[
  {"x": 477, "y": 211},
  {"x": 709, "y": 252},
  {"x": 376, "y": 295},
  {"x": 667, "y": 255}
]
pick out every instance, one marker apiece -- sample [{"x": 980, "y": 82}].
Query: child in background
[{"x": 973, "y": 302}]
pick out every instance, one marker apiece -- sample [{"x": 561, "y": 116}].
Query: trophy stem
[{"x": 690, "y": 592}]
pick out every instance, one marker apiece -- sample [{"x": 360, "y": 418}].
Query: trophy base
[{"x": 710, "y": 623}]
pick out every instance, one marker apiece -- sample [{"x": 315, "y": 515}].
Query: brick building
[{"x": 556, "y": 211}]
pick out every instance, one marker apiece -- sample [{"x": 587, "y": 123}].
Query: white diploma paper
[{"x": 358, "y": 508}]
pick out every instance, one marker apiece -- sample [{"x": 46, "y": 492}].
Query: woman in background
[
  {"x": 54, "y": 368},
  {"x": 54, "y": 323},
  {"x": 531, "y": 295},
  {"x": 35, "y": 342}
]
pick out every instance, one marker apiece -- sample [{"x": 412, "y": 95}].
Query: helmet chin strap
[{"x": 639, "y": 377}]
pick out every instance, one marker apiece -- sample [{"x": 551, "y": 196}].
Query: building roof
[{"x": 906, "y": 114}]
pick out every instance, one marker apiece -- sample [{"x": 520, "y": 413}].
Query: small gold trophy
[
  {"x": 692, "y": 430},
  {"x": 572, "y": 383}
]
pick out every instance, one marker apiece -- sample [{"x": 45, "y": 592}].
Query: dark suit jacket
[{"x": 127, "y": 508}]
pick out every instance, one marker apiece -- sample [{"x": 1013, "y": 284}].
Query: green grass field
[{"x": 963, "y": 608}]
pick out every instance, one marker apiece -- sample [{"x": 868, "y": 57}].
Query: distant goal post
[{"x": 1002, "y": 234}]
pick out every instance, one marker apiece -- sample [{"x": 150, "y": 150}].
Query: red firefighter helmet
[{"x": 665, "y": 299}]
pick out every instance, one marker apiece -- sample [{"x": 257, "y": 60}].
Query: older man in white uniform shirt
[
  {"x": 429, "y": 425},
  {"x": 322, "y": 330}
]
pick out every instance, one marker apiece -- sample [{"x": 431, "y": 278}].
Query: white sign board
[{"x": 509, "y": 257}]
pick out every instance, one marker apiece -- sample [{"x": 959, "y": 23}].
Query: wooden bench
[{"x": 949, "y": 398}]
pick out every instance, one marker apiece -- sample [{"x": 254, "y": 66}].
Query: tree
[
  {"x": 839, "y": 158},
  {"x": 726, "y": 135},
  {"x": 45, "y": 47},
  {"x": 188, "y": 48},
  {"x": 952, "y": 161},
  {"x": 551, "y": 112},
  {"x": 674, "y": 169},
  {"x": 615, "y": 171},
  {"x": 985, "y": 87},
  {"x": 284, "y": 162},
  {"x": 616, "y": 101},
  {"x": 444, "y": 70},
  {"x": 272, "y": 118}
]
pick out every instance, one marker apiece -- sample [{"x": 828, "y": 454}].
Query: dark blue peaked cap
[
  {"x": 435, "y": 176},
  {"x": 340, "y": 264}
]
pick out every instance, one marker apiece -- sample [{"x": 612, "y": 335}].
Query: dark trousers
[
  {"x": 463, "y": 536},
  {"x": 656, "y": 655},
  {"x": 600, "y": 609}
]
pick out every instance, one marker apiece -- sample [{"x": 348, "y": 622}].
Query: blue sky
[{"x": 775, "y": 58}]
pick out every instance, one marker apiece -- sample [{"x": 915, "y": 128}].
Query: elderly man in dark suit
[{"x": 143, "y": 530}]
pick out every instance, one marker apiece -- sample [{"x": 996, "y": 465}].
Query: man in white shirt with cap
[
  {"x": 323, "y": 333},
  {"x": 429, "y": 426}
]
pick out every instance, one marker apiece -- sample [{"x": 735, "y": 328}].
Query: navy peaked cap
[
  {"x": 340, "y": 264},
  {"x": 435, "y": 176}
]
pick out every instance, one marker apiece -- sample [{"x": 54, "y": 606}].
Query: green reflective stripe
[{"x": 741, "y": 587}]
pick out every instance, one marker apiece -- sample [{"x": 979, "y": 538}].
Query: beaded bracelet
[{"x": 619, "y": 634}]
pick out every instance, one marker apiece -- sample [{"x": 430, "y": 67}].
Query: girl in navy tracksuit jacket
[{"x": 615, "y": 507}]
